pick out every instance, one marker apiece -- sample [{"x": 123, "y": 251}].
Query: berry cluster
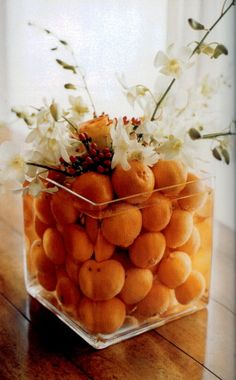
[{"x": 95, "y": 159}]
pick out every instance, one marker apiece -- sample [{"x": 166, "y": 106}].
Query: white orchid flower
[
  {"x": 12, "y": 164},
  {"x": 78, "y": 107},
  {"x": 174, "y": 62}
]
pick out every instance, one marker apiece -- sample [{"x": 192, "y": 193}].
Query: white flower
[
  {"x": 78, "y": 107},
  {"x": 174, "y": 62},
  {"x": 49, "y": 140},
  {"x": 12, "y": 164},
  {"x": 120, "y": 144},
  {"x": 126, "y": 148}
]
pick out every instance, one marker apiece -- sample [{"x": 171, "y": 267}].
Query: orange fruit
[
  {"x": 72, "y": 269},
  {"x": 40, "y": 227},
  {"x": 206, "y": 210},
  {"x": 77, "y": 242},
  {"x": 136, "y": 180},
  {"x": 155, "y": 303},
  {"x": 157, "y": 212},
  {"x": 98, "y": 129},
  {"x": 194, "y": 194},
  {"x": 192, "y": 289},
  {"x": 28, "y": 210},
  {"x": 175, "y": 269},
  {"x": 171, "y": 173},
  {"x": 123, "y": 226},
  {"x": 62, "y": 206},
  {"x": 94, "y": 187},
  {"x": 91, "y": 227},
  {"x": 179, "y": 229},
  {"x": 53, "y": 246},
  {"x": 67, "y": 293},
  {"x": 104, "y": 317},
  {"x": 138, "y": 283},
  {"x": 193, "y": 244},
  {"x": 201, "y": 262},
  {"x": 103, "y": 250},
  {"x": 47, "y": 280},
  {"x": 39, "y": 258},
  {"x": 101, "y": 281},
  {"x": 148, "y": 249},
  {"x": 43, "y": 211}
]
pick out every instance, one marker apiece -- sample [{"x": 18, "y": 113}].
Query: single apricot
[
  {"x": 136, "y": 180},
  {"x": 42, "y": 205},
  {"x": 91, "y": 227},
  {"x": 93, "y": 186},
  {"x": 155, "y": 303},
  {"x": 47, "y": 280},
  {"x": 53, "y": 246},
  {"x": 28, "y": 207},
  {"x": 192, "y": 289},
  {"x": 72, "y": 269},
  {"x": 148, "y": 249},
  {"x": 123, "y": 226},
  {"x": 103, "y": 249},
  {"x": 201, "y": 262},
  {"x": 138, "y": 283},
  {"x": 104, "y": 317},
  {"x": 194, "y": 194},
  {"x": 179, "y": 229},
  {"x": 67, "y": 293},
  {"x": 157, "y": 212},
  {"x": 193, "y": 244},
  {"x": 98, "y": 129},
  {"x": 206, "y": 210},
  {"x": 205, "y": 229},
  {"x": 77, "y": 242},
  {"x": 39, "y": 258},
  {"x": 170, "y": 173},
  {"x": 62, "y": 206},
  {"x": 175, "y": 269},
  {"x": 101, "y": 281},
  {"x": 40, "y": 227}
]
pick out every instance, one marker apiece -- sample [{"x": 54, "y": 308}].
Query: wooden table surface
[{"x": 34, "y": 344}]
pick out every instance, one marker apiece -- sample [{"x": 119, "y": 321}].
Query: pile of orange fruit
[{"x": 140, "y": 247}]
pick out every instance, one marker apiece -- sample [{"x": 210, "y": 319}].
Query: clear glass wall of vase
[{"x": 114, "y": 270}]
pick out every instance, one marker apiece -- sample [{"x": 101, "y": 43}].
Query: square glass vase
[{"x": 111, "y": 271}]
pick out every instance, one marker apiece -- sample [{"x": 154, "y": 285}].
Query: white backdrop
[{"x": 108, "y": 37}]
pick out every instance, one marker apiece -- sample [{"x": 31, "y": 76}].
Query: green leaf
[
  {"x": 225, "y": 155},
  {"x": 63, "y": 42},
  {"x": 216, "y": 154},
  {"x": 66, "y": 66},
  {"x": 194, "y": 134},
  {"x": 219, "y": 50},
  {"x": 195, "y": 24},
  {"x": 70, "y": 86}
]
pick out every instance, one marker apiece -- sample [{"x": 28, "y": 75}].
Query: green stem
[
  {"x": 162, "y": 98},
  {"x": 212, "y": 27},
  {"x": 213, "y": 135},
  {"x": 193, "y": 52},
  {"x": 49, "y": 168}
]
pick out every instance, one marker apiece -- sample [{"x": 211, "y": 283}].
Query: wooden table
[{"x": 36, "y": 345}]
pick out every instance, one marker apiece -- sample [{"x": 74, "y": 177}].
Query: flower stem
[
  {"x": 49, "y": 168},
  {"x": 212, "y": 27},
  {"x": 162, "y": 98},
  {"x": 193, "y": 52},
  {"x": 213, "y": 135}
]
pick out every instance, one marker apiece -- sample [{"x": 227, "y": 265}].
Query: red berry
[
  {"x": 107, "y": 163},
  {"x": 101, "y": 155},
  {"x": 82, "y": 136},
  {"x": 106, "y": 150},
  {"x": 89, "y": 160},
  {"x": 100, "y": 169},
  {"x": 96, "y": 159},
  {"x": 108, "y": 155},
  {"x": 93, "y": 152},
  {"x": 93, "y": 145}
]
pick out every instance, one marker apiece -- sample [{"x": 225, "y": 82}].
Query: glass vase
[{"x": 114, "y": 270}]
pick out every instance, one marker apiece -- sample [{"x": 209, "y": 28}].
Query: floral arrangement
[{"x": 76, "y": 140}]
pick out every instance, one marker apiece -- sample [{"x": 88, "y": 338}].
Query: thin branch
[{"x": 49, "y": 168}]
